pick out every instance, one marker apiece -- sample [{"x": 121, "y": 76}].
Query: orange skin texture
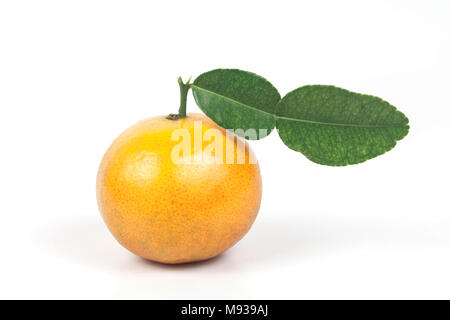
[{"x": 176, "y": 213}]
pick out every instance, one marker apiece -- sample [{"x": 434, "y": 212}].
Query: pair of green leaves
[{"x": 329, "y": 125}]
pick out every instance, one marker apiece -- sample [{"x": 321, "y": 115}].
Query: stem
[{"x": 184, "y": 89}]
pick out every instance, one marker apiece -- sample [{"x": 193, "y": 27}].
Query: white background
[{"x": 74, "y": 74}]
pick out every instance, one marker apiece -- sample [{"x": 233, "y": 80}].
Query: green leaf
[
  {"x": 237, "y": 100},
  {"x": 336, "y": 127}
]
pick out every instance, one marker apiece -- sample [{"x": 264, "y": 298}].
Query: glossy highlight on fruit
[{"x": 176, "y": 212}]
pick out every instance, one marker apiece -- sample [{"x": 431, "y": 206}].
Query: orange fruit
[{"x": 171, "y": 211}]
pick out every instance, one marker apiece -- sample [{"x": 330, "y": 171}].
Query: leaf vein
[
  {"x": 343, "y": 124},
  {"x": 232, "y": 100}
]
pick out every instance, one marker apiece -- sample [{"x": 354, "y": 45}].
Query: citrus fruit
[{"x": 164, "y": 206}]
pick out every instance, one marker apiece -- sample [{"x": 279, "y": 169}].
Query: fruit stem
[{"x": 184, "y": 89}]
